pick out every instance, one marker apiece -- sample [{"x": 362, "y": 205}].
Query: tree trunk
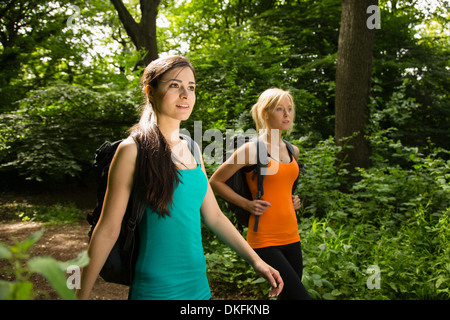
[
  {"x": 353, "y": 76},
  {"x": 142, "y": 34}
]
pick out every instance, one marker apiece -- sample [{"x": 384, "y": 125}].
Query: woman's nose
[{"x": 183, "y": 92}]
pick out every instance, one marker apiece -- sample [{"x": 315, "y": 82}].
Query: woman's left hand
[{"x": 296, "y": 201}]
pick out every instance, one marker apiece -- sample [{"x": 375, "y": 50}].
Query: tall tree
[
  {"x": 142, "y": 33},
  {"x": 353, "y": 78}
]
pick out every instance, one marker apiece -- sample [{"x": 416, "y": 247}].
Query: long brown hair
[{"x": 158, "y": 172}]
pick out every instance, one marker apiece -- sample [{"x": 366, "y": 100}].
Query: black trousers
[{"x": 288, "y": 261}]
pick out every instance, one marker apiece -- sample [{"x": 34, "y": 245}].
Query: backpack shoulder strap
[
  {"x": 290, "y": 148},
  {"x": 301, "y": 166},
  {"x": 262, "y": 161},
  {"x": 291, "y": 151}
]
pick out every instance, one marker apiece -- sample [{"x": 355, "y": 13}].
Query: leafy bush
[
  {"x": 395, "y": 217},
  {"x": 229, "y": 272},
  {"x": 413, "y": 259},
  {"x": 56, "y": 130},
  {"x": 319, "y": 187},
  {"x": 48, "y": 214},
  {"x": 55, "y": 214}
]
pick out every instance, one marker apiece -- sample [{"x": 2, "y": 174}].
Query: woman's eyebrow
[{"x": 178, "y": 80}]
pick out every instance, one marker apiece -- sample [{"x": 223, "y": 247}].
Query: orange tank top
[{"x": 278, "y": 224}]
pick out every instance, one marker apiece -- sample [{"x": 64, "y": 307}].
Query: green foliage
[
  {"x": 47, "y": 214},
  {"x": 395, "y": 217},
  {"x": 413, "y": 257},
  {"x": 56, "y": 130},
  {"x": 237, "y": 57},
  {"x": 226, "y": 270},
  {"x": 35, "y": 47},
  {"x": 22, "y": 266},
  {"x": 319, "y": 187},
  {"x": 411, "y": 58}
]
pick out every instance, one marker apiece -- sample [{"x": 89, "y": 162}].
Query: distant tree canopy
[{"x": 54, "y": 52}]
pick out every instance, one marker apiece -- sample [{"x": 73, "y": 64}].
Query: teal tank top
[{"x": 171, "y": 264}]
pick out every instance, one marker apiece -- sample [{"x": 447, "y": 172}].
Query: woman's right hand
[{"x": 257, "y": 207}]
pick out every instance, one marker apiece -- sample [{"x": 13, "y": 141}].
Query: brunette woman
[{"x": 171, "y": 263}]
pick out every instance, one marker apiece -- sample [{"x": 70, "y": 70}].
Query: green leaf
[
  {"x": 318, "y": 283},
  {"x": 393, "y": 286},
  {"x": 81, "y": 260},
  {"x": 259, "y": 280},
  {"x": 5, "y": 252},
  {"x": 51, "y": 270},
  {"x": 328, "y": 283},
  {"x": 27, "y": 243},
  {"x": 16, "y": 290},
  {"x": 336, "y": 292},
  {"x": 328, "y": 296},
  {"x": 439, "y": 281},
  {"x": 5, "y": 289}
]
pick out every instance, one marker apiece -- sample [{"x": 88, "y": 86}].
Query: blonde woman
[
  {"x": 171, "y": 264},
  {"x": 276, "y": 240}
]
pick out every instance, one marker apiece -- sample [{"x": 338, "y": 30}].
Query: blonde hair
[{"x": 267, "y": 102}]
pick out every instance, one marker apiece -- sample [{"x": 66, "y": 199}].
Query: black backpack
[
  {"x": 238, "y": 181},
  {"x": 119, "y": 266}
]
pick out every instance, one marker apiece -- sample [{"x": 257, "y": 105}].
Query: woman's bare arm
[
  {"x": 106, "y": 232},
  {"x": 240, "y": 158}
]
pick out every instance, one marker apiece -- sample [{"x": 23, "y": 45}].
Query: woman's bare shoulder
[{"x": 126, "y": 151}]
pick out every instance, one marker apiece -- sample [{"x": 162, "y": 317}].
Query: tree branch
[{"x": 130, "y": 25}]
